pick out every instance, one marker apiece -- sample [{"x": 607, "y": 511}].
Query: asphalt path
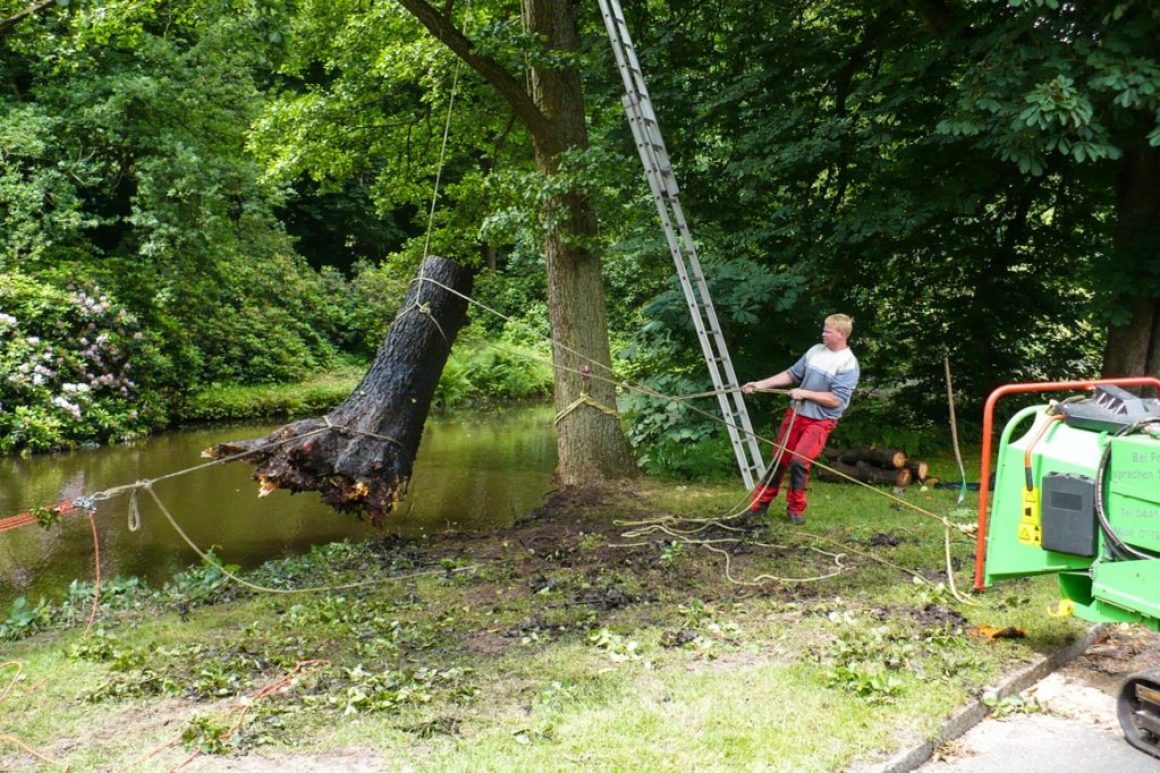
[{"x": 1066, "y": 721}]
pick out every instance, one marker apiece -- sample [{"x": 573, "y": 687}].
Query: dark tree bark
[
  {"x": 1134, "y": 349},
  {"x": 590, "y": 442},
  {"x": 360, "y": 455}
]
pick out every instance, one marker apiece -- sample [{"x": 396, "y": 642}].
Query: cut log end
[{"x": 920, "y": 470}]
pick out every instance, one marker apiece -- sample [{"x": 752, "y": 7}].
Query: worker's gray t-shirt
[{"x": 821, "y": 370}]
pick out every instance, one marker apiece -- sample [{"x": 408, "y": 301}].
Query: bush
[
  {"x": 480, "y": 372},
  {"x": 77, "y": 367},
  {"x": 671, "y": 440}
]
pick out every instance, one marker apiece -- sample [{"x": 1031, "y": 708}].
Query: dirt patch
[
  {"x": 678, "y": 638},
  {"x": 1120, "y": 652},
  {"x": 938, "y": 616},
  {"x": 884, "y": 540},
  {"x": 122, "y": 722},
  {"x": 489, "y": 643},
  {"x": 568, "y": 501}
]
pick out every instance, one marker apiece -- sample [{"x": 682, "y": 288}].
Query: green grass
[
  {"x": 231, "y": 402},
  {"x": 574, "y": 645}
]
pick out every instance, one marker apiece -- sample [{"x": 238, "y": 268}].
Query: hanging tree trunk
[{"x": 360, "y": 455}]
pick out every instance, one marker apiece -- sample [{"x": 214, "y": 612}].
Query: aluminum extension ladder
[{"x": 659, "y": 171}]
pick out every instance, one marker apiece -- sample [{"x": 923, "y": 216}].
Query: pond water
[{"x": 473, "y": 473}]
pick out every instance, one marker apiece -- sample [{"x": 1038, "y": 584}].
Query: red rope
[
  {"x": 28, "y": 518},
  {"x": 96, "y": 574},
  {"x": 68, "y": 507}
]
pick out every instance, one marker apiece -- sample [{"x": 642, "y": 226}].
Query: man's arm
[
  {"x": 824, "y": 399},
  {"x": 783, "y": 379}
]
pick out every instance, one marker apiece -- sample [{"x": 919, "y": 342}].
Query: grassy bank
[
  {"x": 595, "y": 635},
  {"x": 475, "y": 374},
  {"x": 232, "y": 402}
]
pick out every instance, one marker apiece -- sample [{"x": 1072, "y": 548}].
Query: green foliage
[
  {"x": 672, "y": 553},
  {"x": 315, "y": 396},
  {"x": 374, "y": 297},
  {"x": 870, "y": 659},
  {"x": 359, "y": 691},
  {"x": 478, "y": 372},
  {"x": 1011, "y": 705},
  {"x": 890, "y": 423},
  {"x": 674, "y": 439},
  {"x": 950, "y": 176},
  {"x": 132, "y": 217},
  {"x": 619, "y": 648},
  {"x": 24, "y": 619},
  {"x": 103, "y": 646},
  {"x": 205, "y": 583},
  {"x": 869, "y": 153},
  {"x": 207, "y": 735},
  {"x": 863, "y": 658}
]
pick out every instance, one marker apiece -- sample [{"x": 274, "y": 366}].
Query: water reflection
[{"x": 473, "y": 473}]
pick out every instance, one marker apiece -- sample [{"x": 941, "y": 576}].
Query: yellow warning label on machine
[{"x": 1030, "y": 522}]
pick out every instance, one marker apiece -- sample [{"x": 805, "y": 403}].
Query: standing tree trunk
[
  {"x": 360, "y": 455},
  {"x": 590, "y": 441},
  {"x": 1133, "y": 349}
]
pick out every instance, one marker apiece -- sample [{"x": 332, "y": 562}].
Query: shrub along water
[{"x": 77, "y": 367}]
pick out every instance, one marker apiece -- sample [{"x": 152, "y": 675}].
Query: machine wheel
[{"x": 1138, "y": 708}]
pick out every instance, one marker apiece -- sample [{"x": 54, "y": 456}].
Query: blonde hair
[{"x": 842, "y": 323}]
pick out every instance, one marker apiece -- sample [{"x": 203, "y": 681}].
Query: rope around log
[{"x": 585, "y": 399}]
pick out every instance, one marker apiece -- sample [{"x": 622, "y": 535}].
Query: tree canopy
[{"x": 251, "y": 183}]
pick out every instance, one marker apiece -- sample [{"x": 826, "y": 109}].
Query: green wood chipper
[{"x": 1076, "y": 493}]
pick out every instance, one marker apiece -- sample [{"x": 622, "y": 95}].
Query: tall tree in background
[
  {"x": 123, "y": 164},
  {"x": 1073, "y": 89},
  {"x": 551, "y": 106}
]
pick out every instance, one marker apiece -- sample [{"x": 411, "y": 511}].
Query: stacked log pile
[{"x": 877, "y": 466}]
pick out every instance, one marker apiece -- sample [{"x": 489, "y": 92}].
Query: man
[{"x": 823, "y": 380}]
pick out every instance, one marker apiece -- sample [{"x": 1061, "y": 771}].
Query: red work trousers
[{"x": 804, "y": 442}]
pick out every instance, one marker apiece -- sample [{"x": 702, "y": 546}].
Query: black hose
[{"x": 1120, "y": 549}]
